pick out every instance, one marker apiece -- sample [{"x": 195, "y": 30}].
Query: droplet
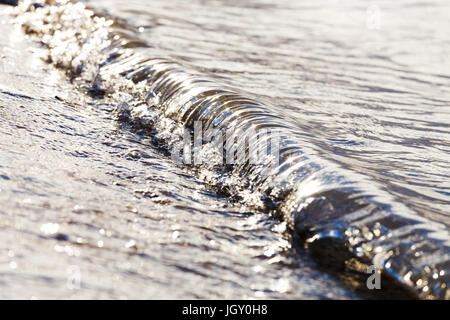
[
  {"x": 130, "y": 244},
  {"x": 259, "y": 294},
  {"x": 50, "y": 228},
  {"x": 258, "y": 269}
]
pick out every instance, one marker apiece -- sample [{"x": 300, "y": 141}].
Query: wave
[{"x": 339, "y": 214}]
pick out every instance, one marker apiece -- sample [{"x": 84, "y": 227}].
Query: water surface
[{"x": 360, "y": 94}]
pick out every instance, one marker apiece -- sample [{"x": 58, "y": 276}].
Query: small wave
[{"x": 338, "y": 213}]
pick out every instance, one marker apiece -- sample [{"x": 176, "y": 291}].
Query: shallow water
[
  {"x": 364, "y": 116},
  {"x": 81, "y": 196}
]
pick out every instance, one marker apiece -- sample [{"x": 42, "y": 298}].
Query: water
[
  {"x": 359, "y": 95},
  {"x": 129, "y": 222}
]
